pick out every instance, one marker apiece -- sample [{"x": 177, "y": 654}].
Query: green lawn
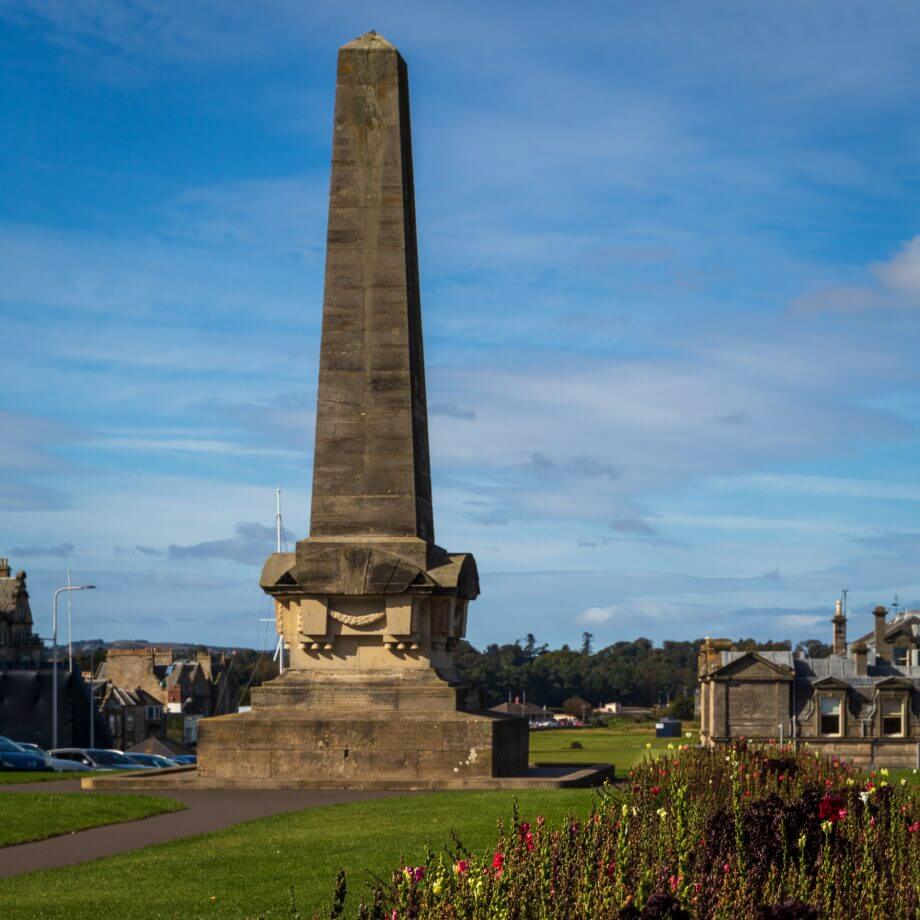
[
  {"x": 621, "y": 746},
  {"x": 249, "y": 869},
  {"x": 36, "y": 815},
  {"x": 11, "y": 777}
]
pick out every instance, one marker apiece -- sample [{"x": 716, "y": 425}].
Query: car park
[
  {"x": 155, "y": 761},
  {"x": 56, "y": 763},
  {"x": 15, "y": 757},
  {"x": 97, "y": 758}
]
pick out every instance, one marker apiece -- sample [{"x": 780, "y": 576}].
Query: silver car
[{"x": 57, "y": 764}]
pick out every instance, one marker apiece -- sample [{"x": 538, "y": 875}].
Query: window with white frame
[
  {"x": 899, "y": 655},
  {"x": 831, "y": 715}
]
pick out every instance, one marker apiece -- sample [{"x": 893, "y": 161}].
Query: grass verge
[
  {"x": 249, "y": 870},
  {"x": 36, "y": 815},
  {"x": 623, "y": 747},
  {"x": 16, "y": 777}
]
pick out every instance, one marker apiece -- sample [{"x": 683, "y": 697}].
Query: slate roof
[
  {"x": 136, "y": 697},
  {"x": 811, "y": 670},
  {"x": 165, "y": 747},
  {"x": 907, "y": 618}
]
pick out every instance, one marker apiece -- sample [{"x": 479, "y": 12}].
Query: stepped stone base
[
  {"x": 351, "y": 728},
  {"x": 344, "y": 749}
]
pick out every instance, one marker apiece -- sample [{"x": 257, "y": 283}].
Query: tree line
[{"x": 634, "y": 673}]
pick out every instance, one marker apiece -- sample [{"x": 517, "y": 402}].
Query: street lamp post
[{"x": 54, "y": 672}]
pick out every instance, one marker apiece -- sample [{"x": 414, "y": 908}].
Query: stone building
[
  {"x": 862, "y": 702},
  {"x": 19, "y": 646},
  {"x": 202, "y": 686},
  {"x": 132, "y": 715}
]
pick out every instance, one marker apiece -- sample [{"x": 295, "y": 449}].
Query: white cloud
[
  {"x": 630, "y": 616},
  {"x": 902, "y": 272}
]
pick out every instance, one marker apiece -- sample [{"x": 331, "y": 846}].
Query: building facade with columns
[{"x": 862, "y": 702}]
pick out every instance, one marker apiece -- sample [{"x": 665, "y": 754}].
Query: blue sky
[{"x": 670, "y": 260}]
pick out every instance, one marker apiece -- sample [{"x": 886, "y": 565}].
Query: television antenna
[{"x": 279, "y": 535}]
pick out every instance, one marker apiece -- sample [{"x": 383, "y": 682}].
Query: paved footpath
[{"x": 208, "y": 810}]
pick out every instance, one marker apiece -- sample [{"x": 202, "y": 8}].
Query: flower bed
[{"x": 735, "y": 833}]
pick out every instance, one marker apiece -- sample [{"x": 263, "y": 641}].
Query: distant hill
[{"x": 93, "y": 644}]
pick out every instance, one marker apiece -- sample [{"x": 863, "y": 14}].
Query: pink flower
[
  {"x": 726, "y": 868},
  {"x": 528, "y": 840},
  {"x": 914, "y": 828},
  {"x": 673, "y": 881},
  {"x": 540, "y": 820},
  {"x": 462, "y": 867}
]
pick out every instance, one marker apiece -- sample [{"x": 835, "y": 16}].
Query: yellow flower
[
  {"x": 903, "y": 781},
  {"x": 213, "y": 897},
  {"x": 670, "y": 746},
  {"x": 648, "y": 744},
  {"x": 662, "y": 813},
  {"x": 884, "y": 771},
  {"x": 438, "y": 886},
  {"x": 850, "y": 781}
]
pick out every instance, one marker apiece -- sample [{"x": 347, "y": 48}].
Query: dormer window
[
  {"x": 831, "y": 715},
  {"x": 893, "y": 718}
]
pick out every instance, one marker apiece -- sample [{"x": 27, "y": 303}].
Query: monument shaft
[{"x": 371, "y": 474}]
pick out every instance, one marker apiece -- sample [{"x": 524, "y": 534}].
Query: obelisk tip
[{"x": 369, "y": 41}]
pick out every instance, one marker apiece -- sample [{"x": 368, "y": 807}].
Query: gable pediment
[
  {"x": 831, "y": 683},
  {"x": 752, "y": 666},
  {"x": 894, "y": 683}
]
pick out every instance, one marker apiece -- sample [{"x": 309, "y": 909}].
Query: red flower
[
  {"x": 611, "y": 869},
  {"x": 462, "y": 867},
  {"x": 498, "y": 863},
  {"x": 914, "y": 828},
  {"x": 528, "y": 840},
  {"x": 655, "y": 790},
  {"x": 832, "y": 808}
]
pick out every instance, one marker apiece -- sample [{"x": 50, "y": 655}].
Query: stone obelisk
[{"x": 369, "y": 606}]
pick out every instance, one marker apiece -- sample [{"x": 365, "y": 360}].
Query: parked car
[
  {"x": 151, "y": 760},
  {"x": 56, "y": 763},
  {"x": 97, "y": 758},
  {"x": 14, "y": 757},
  {"x": 185, "y": 760}
]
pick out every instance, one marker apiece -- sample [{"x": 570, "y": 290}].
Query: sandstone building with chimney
[
  {"x": 19, "y": 645},
  {"x": 137, "y": 688},
  {"x": 861, "y": 703}
]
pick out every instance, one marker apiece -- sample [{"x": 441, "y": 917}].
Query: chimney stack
[
  {"x": 840, "y": 630},
  {"x": 4, "y": 567},
  {"x": 861, "y": 656},
  {"x": 881, "y": 649}
]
